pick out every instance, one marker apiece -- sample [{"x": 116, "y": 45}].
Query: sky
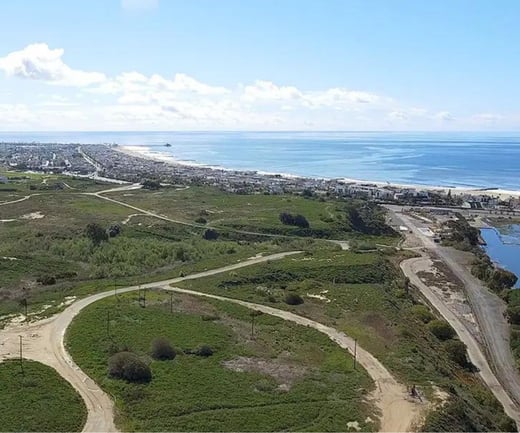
[{"x": 260, "y": 65}]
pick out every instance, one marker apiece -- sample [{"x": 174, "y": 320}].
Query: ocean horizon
[{"x": 448, "y": 159}]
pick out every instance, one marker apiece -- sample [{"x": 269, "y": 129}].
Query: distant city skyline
[{"x": 260, "y": 65}]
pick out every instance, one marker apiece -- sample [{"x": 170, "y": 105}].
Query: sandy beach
[{"x": 146, "y": 153}]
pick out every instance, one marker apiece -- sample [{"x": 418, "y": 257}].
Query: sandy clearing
[{"x": 32, "y": 216}]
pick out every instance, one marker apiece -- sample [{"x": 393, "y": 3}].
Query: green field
[
  {"x": 44, "y": 236},
  {"x": 39, "y": 400},
  {"x": 363, "y": 295},
  {"x": 307, "y": 383}
]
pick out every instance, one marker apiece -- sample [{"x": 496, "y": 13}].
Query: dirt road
[
  {"x": 398, "y": 413},
  {"x": 44, "y": 342},
  {"x": 411, "y": 268},
  {"x": 495, "y": 360}
]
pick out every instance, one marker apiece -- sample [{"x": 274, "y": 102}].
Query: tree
[
  {"x": 151, "y": 184},
  {"x": 162, "y": 349},
  {"x": 502, "y": 279},
  {"x": 96, "y": 233},
  {"x": 210, "y": 235},
  {"x": 441, "y": 329},
  {"x": 128, "y": 366},
  {"x": 294, "y": 220},
  {"x": 114, "y": 230},
  {"x": 513, "y": 314},
  {"x": 293, "y": 299},
  {"x": 457, "y": 352},
  {"x": 301, "y": 221}
]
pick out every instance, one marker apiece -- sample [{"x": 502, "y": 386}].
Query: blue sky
[{"x": 260, "y": 64}]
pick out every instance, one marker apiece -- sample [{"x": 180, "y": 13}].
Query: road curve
[
  {"x": 398, "y": 413},
  {"x": 495, "y": 359},
  {"x": 44, "y": 341},
  {"x": 410, "y": 268}
]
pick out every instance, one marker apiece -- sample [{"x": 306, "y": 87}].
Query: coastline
[{"x": 145, "y": 153}]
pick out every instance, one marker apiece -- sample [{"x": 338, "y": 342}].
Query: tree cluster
[
  {"x": 367, "y": 218},
  {"x": 151, "y": 184},
  {"x": 294, "y": 220}
]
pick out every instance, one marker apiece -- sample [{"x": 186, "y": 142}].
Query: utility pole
[
  {"x": 355, "y": 352},
  {"x": 253, "y": 314},
  {"x": 108, "y": 323},
  {"x": 142, "y": 298},
  {"x": 21, "y": 356}
]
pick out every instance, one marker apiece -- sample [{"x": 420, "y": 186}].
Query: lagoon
[{"x": 503, "y": 247}]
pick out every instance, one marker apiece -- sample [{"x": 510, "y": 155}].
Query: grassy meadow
[
  {"x": 38, "y": 400},
  {"x": 295, "y": 379},
  {"x": 363, "y": 295}
]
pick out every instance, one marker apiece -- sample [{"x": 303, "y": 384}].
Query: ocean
[{"x": 455, "y": 159}]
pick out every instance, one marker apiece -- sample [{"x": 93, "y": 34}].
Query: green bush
[
  {"x": 293, "y": 299},
  {"x": 210, "y": 235},
  {"x": 513, "y": 314},
  {"x": 204, "y": 351},
  {"x": 441, "y": 329},
  {"x": 457, "y": 352},
  {"x": 422, "y": 313},
  {"x": 162, "y": 350},
  {"x": 128, "y": 366}
]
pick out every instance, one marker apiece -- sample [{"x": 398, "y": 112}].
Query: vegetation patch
[
  {"x": 38, "y": 399},
  {"x": 294, "y": 378}
]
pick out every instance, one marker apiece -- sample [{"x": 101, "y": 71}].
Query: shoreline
[{"x": 144, "y": 152}]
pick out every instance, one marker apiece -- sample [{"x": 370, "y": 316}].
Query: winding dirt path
[
  {"x": 398, "y": 413},
  {"x": 411, "y": 267},
  {"x": 44, "y": 341}
]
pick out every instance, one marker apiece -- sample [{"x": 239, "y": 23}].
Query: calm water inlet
[{"x": 503, "y": 247}]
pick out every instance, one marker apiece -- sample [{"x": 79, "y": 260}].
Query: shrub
[
  {"x": 422, "y": 313},
  {"x": 210, "y": 235},
  {"x": 293, "y": 299},
  {"x": 201, "y": 220},
  {"x": 513, "y": 314},
  {"x": 96, "y": 233},
  {"x": 204, "y": 351},
  {"x": 457, "y": 352},
  {"x": 128, "y": 366},
  {"x": 441, "y": 329},
  {"x": 114, "y": 230},
  {"x": 294, "y": 220},
  {"x": 162, "y": 349},
  {"x": 47, "y": 280}
]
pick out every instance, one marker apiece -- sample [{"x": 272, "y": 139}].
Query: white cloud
[
  {"x": 341, "y": 97},
  {"x": 444, "y": 116},
  {"x": 486, "y": 118},
  {"x": 39, "y": 62},
  {"x": 139, "y": 5},
  {"x": 132, "y": 100},
  {"x": 268, "y": 91},
  {"x": 398, "y": 115}
]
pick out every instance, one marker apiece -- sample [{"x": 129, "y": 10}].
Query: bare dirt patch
[
  {"x": 32, "y": 216},
  {"x": 379, "y": 325},
  {"x": 282, "y": 371}
]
